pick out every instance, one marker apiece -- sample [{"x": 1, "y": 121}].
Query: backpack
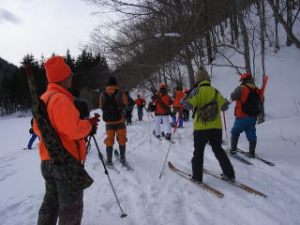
[
  {"x": 253, "y": 105},
  {"x": 112, "y": 110},
  {"x": 209, "y": 111}
]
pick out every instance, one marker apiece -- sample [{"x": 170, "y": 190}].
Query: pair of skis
[
  {"x": 256, "y": 157},
  {"x": 210, "y": 189},
  {"x": 241, "y": 159},
  {"x": 124, "y": 164}
]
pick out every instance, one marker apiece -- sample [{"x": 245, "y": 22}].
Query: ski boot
[
  {"x": 109, "y": 156},
  {"x": 234, "y": 142},
  {"x": 227, "y": 178}
]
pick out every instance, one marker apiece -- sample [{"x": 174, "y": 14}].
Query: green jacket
[{"x": 201, "y": 96}]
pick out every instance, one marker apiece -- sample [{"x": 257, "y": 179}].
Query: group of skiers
[{"x": 73, "y": 129}]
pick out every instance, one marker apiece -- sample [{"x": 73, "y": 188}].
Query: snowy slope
[{"x": 172, "y": 200}]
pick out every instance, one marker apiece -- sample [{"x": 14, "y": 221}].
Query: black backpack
[
  {"x": 253, "y": 105},
  {"x": 112, "y": 110}
]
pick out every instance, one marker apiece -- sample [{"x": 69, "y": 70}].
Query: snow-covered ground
[{"x": 172, "y": 200}]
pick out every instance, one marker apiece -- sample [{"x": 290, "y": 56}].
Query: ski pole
[
  {"x": 88, "y": 145},
  {"x": 100, "y": 156},
  {"x": 225, "y": 127},
  {"x": 164, "y": 165},
  {"x": 148, "y": 126}
]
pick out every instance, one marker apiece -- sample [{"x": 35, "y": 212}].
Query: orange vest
[
  {"x": 64, "y": 118},
  {"x": 178, "y": 96},
  {"x": 160, "y": 110}
]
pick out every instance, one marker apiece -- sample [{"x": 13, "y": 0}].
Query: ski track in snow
[
  {"x": 149, "y": 200},
  {"x": 173, "y": 200}
]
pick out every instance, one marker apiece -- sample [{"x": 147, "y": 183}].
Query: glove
[
  {"x": 94, "y": 122},
  {"x": 30, "y": 131},
  {"x": 225, "y": 106}
]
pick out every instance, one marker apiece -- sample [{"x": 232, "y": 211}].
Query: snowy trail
[{"x": 146, "y": 199}]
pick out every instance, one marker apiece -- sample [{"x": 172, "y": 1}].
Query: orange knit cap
[{"x": 56, "y": 69}]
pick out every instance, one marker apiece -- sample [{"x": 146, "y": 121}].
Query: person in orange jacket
[
  {"x": 162, "y": 102},
  {"x": 177, "y": 107},
  {"x": 59, "y": 201},
  {"x": 245, "y": 122},
  {"x": 113, "y": 103},
  {"x": 140, "y": 103}
]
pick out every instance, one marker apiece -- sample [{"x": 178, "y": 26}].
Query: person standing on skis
[
  {"x": 140, "y": 103},
  {"x": 113, "y": 103},
  {"x": 177, "y": 107},
  {"x": 129, "y": 108},
  {"x": 248, "y": 108},
  {"x": 207, "y": 103},
  {"x": 161, "y": 103}
]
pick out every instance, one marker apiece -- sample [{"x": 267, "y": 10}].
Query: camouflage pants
[{"x": 58, "y": 201}]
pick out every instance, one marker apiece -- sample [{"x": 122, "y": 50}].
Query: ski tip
[{"x": 171, "y": 166}]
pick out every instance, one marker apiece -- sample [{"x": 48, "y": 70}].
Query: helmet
[
  {"x": 245, "y": 76},
  {"x": 162, "y": 85},
  {"x": 185, "y": 90}
]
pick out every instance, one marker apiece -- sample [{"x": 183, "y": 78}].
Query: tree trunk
[
  {"x": 208, "y": 47},
  {"x": 246, "y": 42},
  {"x": 289, "y": 19},
  {"x": 261, "y": 10},
  {"x": 288, "y": 31},
  {"x": 188, "y": 62},
  {"x": 277, "y": 46}
]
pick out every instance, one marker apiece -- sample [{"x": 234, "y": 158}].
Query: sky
[
  {"x": 172, "y": 200},
  {"x": 42, "y": 27}
]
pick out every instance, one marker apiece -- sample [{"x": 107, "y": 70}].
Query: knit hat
[
  {"x": 163, "y": 88},
  {"x": 112, "y": 81},
  {"x": 56, "y": 69},
  {"x": 201, "y": 74}
]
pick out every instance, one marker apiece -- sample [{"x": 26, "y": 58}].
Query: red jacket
[{"x": 140, "y": 101}]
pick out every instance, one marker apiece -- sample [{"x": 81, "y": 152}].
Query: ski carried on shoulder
[
  {"x": 124, "y": 164},
  {"x": 256, "y": 157},
  {"x": 204, "y": 186},
  {"x": 237, "y": 184}
]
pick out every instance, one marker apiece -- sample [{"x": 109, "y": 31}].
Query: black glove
[
  {"x": 225, "y": 106},
  {"x": 94, "y": 122},
  {"x": 93, "y": 130},
  {"x": 31, "y": 131}
]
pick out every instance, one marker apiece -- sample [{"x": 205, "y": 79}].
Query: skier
[
  {"x": 80, "y": 104},
  {"x": 59, "y": 200},
  {"x": 129, "y": 108},
  {"x": 207, "y": 125},
  {"x": 113, "y": 102},
  {"x": 243, "y": 121},
  {"x": 161, "y": 104},
  {"x": 185, "y": 112},
  {"x": 177, "y": 107},
  {"x": 140, "y": 103},
  {"x": 33, "y": 136}
]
